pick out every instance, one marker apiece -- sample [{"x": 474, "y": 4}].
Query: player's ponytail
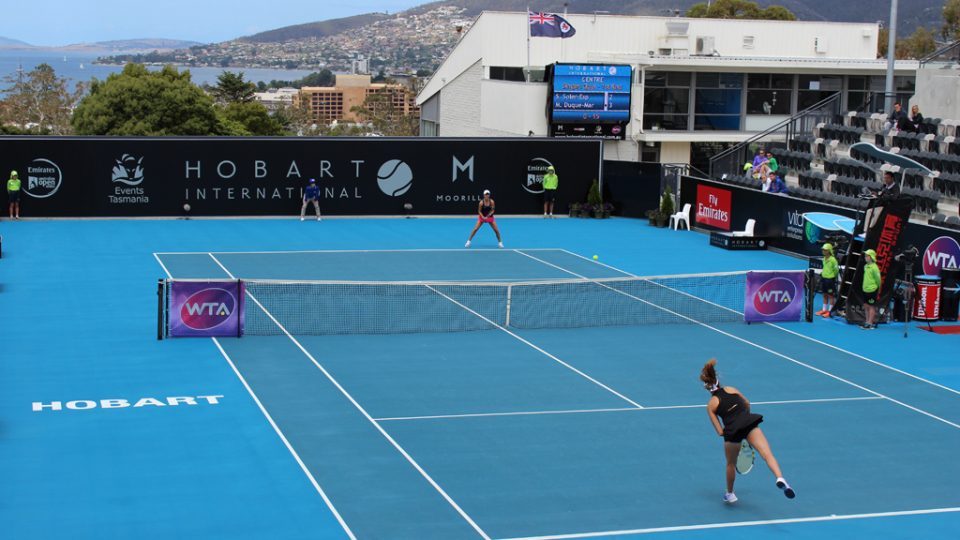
[{"x": 709, "y": 373}]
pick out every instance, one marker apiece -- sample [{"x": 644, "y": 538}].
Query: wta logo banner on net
[
  {"x": 206, "y": 309},
  {"x": 773, "y": 297}
]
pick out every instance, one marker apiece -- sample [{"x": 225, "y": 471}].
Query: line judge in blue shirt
[{"x": 311, "y": 194}]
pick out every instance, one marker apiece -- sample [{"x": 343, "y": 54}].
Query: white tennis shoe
[
  {"x": 787, "y": 490},
  {"x": 467, "y": 244},
  {"x": 729, "y": 498}
]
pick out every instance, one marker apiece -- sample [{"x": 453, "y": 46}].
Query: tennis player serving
[
  {"x": 485, "y": 212},
  {"x": 739, "y": 424}
]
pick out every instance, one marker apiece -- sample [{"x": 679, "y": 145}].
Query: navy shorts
[
  {"x": 870, "y": 297},
  {"x": 549, "y": 195},
  {"x": 828, "y": 285},
  {"x": 13, "y": 196}
]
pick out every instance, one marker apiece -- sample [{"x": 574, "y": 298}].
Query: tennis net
[{"x": 331, "y": 307}]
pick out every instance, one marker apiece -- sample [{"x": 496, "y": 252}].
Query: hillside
[
  {"x": 912, "y": 13},
  {"x": 7, "y": 42},
  {"x": 315, "y": 30}
]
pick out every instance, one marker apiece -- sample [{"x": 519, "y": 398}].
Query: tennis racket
[{"x": 745, "y": 458}]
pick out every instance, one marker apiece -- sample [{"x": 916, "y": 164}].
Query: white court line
[
  {"x": 156, "y": 256},
  {"x": 622, "y": 409},
  {"x": 771, "y": 351},
  {"x": 740, "y": 524},
  {"x": 787, "y": 330},
  {"x": 545, "y": 353},
  {"x": 421, "y": 250},
  {"x": 364, "y": 412},
  {"x": 276, "y": 428},
  {"x": 286, "y": 443}
]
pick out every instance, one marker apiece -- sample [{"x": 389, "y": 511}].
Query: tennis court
[{"x": 552, "y": 429}]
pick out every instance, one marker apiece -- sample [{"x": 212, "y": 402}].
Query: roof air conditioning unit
[{"x": 706, "y": 44}]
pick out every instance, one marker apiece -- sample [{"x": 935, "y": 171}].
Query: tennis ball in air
[
  {"x": 596, "y": 258},
  {"x": 395, "y": 177}
]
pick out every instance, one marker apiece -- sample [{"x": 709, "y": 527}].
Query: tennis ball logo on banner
[
  {"x": 394, "y": 178},
  {"x": 943, "y": 252},
  {"x": 774, "y": 296},
  {"x": 207, "y": 309}
]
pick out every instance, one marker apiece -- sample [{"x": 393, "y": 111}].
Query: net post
[
  {"x": 160, "y": 307},
  {"x": 810, "y": 293},
  {"x": 509, "y": 298}
]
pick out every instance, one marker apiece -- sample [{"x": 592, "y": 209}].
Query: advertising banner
[
  {"x": 773, "y": 297},
  {"x": 884, "y": 233},
  {"x": 265, "y": 176},
  {"x": 205, "y": 309},
  {"x": 713, "y": 206}
]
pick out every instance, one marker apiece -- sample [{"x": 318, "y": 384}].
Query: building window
[
  {"x": 666, "y": 101},
  {"x": 769, "y": 94},
  {"x": 718, "y": 98},
  {"x": 502, "y": 73},
  {"x": 815, "y": 88}
]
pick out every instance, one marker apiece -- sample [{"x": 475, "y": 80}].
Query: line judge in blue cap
[{"x": 311, "y": 194}]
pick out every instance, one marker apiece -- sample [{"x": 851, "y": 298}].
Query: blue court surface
[{"x": 503, "y": 433}]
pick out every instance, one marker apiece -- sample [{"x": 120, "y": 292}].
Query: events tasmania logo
[
  {"x": 774, "y": 296},
  {"x": 208, "y": 308}
]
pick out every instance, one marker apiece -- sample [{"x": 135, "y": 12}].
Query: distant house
[
  {"x": 335, "y": 104},
  {"x": 276, "y": 98}
]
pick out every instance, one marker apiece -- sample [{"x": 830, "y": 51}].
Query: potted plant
[
  {"x": 603, "y": 210},
  {"x": 594, "y": 200},
  {"x": 652, "y": 215},
  {"x": 575, "y": 209},
  {"x": 666, "y": 207}
]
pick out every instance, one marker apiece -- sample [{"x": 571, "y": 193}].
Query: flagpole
[{"x": 526, "y": 69}]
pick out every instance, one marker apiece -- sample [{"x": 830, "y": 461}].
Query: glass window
[
  {"x": 758, "y": 80},
  {"x": 768, "y": 102},
  {"x": 666, "y": 101},
  {"x": 781, "y": 81},
  {"x": 769, "y": 93},
  {"x": 718, "y": 101}
]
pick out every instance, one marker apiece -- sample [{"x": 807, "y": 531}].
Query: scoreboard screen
[{"x": 590, "y": 93}]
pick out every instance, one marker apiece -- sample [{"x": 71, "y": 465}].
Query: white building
[
  {"x": 698, "y": 86},
  {"x": 276, "y": 98}
]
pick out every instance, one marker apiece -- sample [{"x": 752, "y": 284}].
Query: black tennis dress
[{"x": 735, "y": 415}]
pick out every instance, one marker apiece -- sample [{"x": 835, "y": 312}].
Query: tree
[
  {"x": 249, "y": 118},
  {"x": 951, "y": 20},
  {"x": 231, "y": 88},
  {"x": 140, "y": 102},
  {"x": 385, "y": 119},
  {"x": 39, "y": 102},
  {"x": 918, "y": 45},
  {"x": 739, "y": 9}
]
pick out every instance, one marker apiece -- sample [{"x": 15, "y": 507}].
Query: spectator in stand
[
  {"x": 777, "y": 185},
  {"x": 897, "y": 118},
  {"x": 915, "y": 119},
  {"x": 758, "y": 162},
  {"x": 769, "y": 166}
]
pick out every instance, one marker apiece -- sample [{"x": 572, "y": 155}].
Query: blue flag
[{"x": 549, "y": 25}]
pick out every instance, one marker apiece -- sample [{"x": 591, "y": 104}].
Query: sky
[{"x": 65, "y": 22}]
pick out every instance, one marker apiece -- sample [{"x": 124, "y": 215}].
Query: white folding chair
[
  {"x": 748, "y": 230},
  {"x": 683, "y": 215}
]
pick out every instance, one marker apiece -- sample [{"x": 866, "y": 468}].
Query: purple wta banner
[
  {"x": 205, "y": 308},
  {"x": 773, "y": 296}
]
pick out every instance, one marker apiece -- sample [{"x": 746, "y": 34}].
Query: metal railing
[
  {"x": 731, "y": 160},
  {"x": 951, "y": 53}
]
